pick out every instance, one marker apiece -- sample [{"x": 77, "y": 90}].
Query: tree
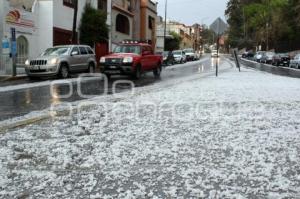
[
  {"x": 272, "y": 24},
  {"x": 173, "y": 43},
  {"x": 93, "y": 27}
]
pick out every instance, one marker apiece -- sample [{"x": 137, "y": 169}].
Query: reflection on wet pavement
[{"x": 21, "y": 102}]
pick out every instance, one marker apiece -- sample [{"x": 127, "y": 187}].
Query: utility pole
[
  {"x": 218, "y": 46},
  {"x": 165, "y": 28},
  {"x": 74, "y": 32}
]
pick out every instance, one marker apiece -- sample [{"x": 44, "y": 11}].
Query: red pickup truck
[{"x": 131, "y": 58}]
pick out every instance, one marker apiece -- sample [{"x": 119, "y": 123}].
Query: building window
[
  {"x": 22, "y": 50},
  {"x": 122, "y": 24},
  {"x": 69, "y": 3},
  {"x": 102, "y": 5},
  {"x": 151, "y": 23}
]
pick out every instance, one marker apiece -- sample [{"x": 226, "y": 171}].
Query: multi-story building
[
  {"x": 185, "y": 32},
  {"x": 133, "y": 19},
  {"x": 190, "y": 35}
]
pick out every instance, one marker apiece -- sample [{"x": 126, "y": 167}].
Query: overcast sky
[{"x": 193, "y": 11}]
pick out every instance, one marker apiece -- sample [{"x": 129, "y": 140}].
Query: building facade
[
  {"x": 133, "y": 20},
  {"x": 39, "y": 24}
]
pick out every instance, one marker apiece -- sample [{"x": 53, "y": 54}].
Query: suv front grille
[
  {"x": 38, "y": 62},
  {"x": 113, "y": 61}
]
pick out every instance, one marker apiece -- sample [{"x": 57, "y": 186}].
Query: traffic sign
[{"x": 219, "y": 26}]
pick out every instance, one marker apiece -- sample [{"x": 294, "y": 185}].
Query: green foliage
[
  {"x": 93, "y": 27},
  {"x": 269, "y": 23},
  {"x": 174, "y": 42},
  {"x": 208, "y": 36}
]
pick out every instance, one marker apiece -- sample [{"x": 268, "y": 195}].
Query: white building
[{"x": 39, "y": 24}]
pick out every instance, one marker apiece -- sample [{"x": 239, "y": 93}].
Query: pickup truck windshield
[
  {"x": 128, "y": 49},
  {"x": 56, "y": 51}
]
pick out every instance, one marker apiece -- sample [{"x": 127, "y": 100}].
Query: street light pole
[{"x": 165, "y": 28}]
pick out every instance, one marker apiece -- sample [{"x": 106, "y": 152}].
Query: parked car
[
  {"x": 179, "y": 56},
  {"x": 258, "y": 56},
  {"x": 248, "y": 55},
  {"x": 190, "y": 54},
  {"x": 168, "y": 58},
  {"x": 281, "y": 59},
  {"x": 61, "y": 61},
  {"x": 214, "y": 53},
  {"x": 132, "y": 58},
  {"x": 295, "y": 63},
  {"x": 267, "y": 57}
]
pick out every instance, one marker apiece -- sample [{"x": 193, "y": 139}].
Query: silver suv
[{"x": 61, "y": 61}]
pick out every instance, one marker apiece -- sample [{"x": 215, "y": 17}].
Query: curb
[
  {"x": 10, "y": 78},
  {"x": 282, "y": 71},
  {"x": 23, "y": 122}
]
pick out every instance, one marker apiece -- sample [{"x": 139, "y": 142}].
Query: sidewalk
[{"x": 235, "y": 136}]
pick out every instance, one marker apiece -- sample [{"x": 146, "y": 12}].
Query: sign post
[
  {"x": 219, "y": 27},
  {"x": 14, "y": 51},
  {"x": 237, "y": 60}
]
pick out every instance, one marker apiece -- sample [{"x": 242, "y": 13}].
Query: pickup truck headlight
[
  {"x": 27, "y": 62},
  {"x": 102, "y": 60},
  {"x": 128, "y": 60},
  {"x": 53, "y": 61}
]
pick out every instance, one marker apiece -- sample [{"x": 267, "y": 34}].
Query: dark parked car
[
  {"x": 281, "y": 59},
  {"x": 267, "y": 57},
  {"x": 168, "y": 57},
  {"x": 248, "y": 55}
]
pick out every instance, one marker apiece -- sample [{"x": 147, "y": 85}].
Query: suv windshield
[
  {"x": 56, "y": 51},
  {"x": 128, "y": 49}
]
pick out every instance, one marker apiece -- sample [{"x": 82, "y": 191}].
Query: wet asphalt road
[{"x": 20, "y": 102}]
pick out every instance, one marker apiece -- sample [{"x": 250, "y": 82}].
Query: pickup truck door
[
  {"x": 152, "y": 59},
  {"x": 146, "y": 59}
]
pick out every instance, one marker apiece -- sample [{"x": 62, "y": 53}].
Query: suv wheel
[
  {"x": 91, "y": 68},
  {"x": 64, "y": 71},
  {"x": 157, "y": 71}
]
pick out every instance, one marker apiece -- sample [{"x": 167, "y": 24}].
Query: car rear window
[
  {"x": 90, "y": 51},
  {"x": 83, "y": 51}
]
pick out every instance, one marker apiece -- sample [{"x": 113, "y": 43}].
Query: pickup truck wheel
[
  {"x": 157, "y": 71},
  {"x": 138, "y": 73},
  {"x": 64, "y": 72}
]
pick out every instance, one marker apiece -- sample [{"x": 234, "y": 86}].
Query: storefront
[{"x": 23, "y": 22}]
